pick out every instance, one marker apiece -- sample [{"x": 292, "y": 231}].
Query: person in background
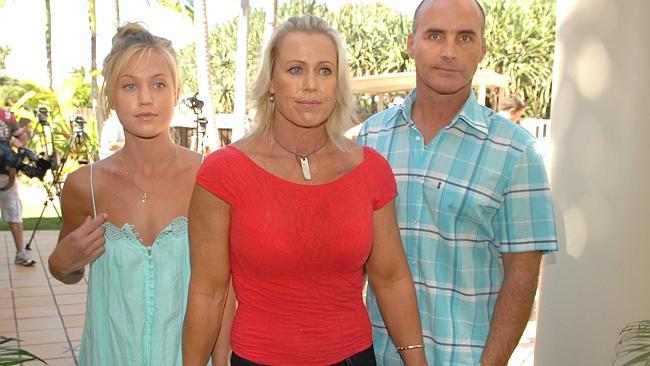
[
  {"x": 112, "y": 137},
  {"x": 513, "y": 108},
  {"x": 126, "y": 216},
  {"x": 12, "y": 135},
  {"x": 474, "y": 205},
  {"x": 294, "y": 212}
]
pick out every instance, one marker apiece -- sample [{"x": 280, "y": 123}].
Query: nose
[
  {"x": 448, "y": 50},
  {"x": 309, "y": 82},
  {"x": 144, "y": 96}
]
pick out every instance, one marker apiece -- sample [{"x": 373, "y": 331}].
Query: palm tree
[
  {"x": 241, "y": 62},
  {"x": 117, "y": 14},
  {"x": 94, "y": 89},
  {"x": 48, "y": 41},
  {"x": 196, "y": 11},
  {"x": 270, "y": 22}
]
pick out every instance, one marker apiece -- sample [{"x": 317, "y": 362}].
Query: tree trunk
[
  {"x": 94, "y": 89},
  {"x": 241, "y": 66},
  {"x": 48, "y": 42},
  {"x": 117, "y": 14},
  {"x": 203, "y": 71}
]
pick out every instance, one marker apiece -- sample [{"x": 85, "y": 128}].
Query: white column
[{"x": 600, "y": 176}]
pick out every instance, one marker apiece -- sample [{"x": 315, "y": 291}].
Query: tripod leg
[{"x": 38, "y": 223}]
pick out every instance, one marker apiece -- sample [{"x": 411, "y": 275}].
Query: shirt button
[{"x": 415, "y": 222}]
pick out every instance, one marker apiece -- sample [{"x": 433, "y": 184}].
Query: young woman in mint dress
[{"x": 126, "y": 216}]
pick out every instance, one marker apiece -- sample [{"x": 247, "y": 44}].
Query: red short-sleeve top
[{"x": 297, "y": 254}]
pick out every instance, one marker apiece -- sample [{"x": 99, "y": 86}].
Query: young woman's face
[{"x": 145, "y": 95}]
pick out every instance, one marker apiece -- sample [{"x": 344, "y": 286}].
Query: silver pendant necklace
[{"x": 303, "y": 160}]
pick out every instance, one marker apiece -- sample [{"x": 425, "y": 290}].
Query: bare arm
[
  {"x": 513, "y": 306},
  {"x": 81, "y": 238},
  {"x": 221, "y": 351},
  {"x": 390, "y": 277},
  {"x": 209, "y": 228}
]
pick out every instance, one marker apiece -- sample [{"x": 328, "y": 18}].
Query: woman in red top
[{"x": 293, "y": 212}]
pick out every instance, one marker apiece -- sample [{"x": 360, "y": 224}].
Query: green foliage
[
  {"x": 4, "y": 52},
  {"x": 520, "y": 36},
  {"x": 59, "y": 127},
  {"x": 521, "y": 41},
  {"x": 14, "y": 356},
  {"x": 633, "y": 347},
  {"x": 80, "y": 87},
  {"x": 375, "y": 38}
]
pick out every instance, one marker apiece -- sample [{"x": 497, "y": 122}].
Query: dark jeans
[{"x": 363, "y": 358}]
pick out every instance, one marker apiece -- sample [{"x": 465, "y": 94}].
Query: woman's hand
[{"x": 77, "y": 249}]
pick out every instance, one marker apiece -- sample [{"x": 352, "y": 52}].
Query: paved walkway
[{"x": 47, "y": 316}]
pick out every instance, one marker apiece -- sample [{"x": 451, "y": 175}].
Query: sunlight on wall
[
  {"x": 575, "y": 224},
  {"x": 591, "y": 69}
]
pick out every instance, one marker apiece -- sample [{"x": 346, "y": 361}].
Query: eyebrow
[
  {"x": 462, "y": 31},
  {"x": 135, "y": 77}
]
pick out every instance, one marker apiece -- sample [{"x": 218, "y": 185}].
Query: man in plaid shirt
[{"x": 474, "y": 205}]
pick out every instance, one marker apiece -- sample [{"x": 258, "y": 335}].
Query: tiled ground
[{"x": 47, "y": 316}]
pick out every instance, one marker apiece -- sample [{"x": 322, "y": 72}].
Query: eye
[
  {"x": 435, "y": 36},
  {"x": 295, "y": 70},
  {"x": 129, "y": 86},
  {"x": 325, "y": 71},
  {"x": 159, "y": 85},
  {"x": 465, "y": 38}
]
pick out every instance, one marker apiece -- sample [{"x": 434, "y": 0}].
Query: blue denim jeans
[{"x": 363, "y": 358}]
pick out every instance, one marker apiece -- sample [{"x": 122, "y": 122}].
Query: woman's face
[
  {"x": 145, "y": 95},
  {"x": 304, "y": 79}
]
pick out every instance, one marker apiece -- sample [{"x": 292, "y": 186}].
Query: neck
[
  {"x": 436, "y": 110},
  {"x": 148, "y": 155},
  {"x": 300, "y": 141}
]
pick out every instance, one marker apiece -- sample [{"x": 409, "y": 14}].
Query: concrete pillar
[{"x": 600, "y": 176}]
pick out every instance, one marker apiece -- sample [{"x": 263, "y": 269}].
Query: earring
[{"x": 271, "y": 97}]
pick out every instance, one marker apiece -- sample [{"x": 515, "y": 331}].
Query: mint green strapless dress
[{"x": 136, "y": 298}]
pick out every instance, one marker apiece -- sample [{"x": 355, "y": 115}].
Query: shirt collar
[{"x": 471, "y": 113}]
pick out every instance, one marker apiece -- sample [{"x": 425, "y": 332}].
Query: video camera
[
  {"x": 24, "y": 160},
  {"x": 195, "y": 103},
  {"x": 41, "y": 113}
]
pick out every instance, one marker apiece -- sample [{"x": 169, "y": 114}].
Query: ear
[
  {"x": 410, "y": 45},
  {"x": 483, "y": 49}
]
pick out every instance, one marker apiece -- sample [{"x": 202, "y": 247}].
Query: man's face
[{"x": 447, "y": 45}]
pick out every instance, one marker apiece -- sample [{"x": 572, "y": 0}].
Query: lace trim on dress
[{"x": 177, "y": 228}]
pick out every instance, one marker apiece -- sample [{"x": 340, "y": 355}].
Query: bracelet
[{"x": 407, "y": 348}]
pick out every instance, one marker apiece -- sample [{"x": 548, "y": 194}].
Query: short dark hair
[
  {"x": 512, "y": 102},
  {"x": 417, "y": 10}
]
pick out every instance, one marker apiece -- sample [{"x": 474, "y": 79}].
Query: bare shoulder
[
  {"x": 354, "y": 154},
  {"x": 189, "y": 160},
  {"x": 75, "y": 197}
]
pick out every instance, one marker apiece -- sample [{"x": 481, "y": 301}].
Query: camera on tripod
[
  {"x": 25, "y": 160},
  {"x": 41, "y": 114},
  {"x": 195, "y": 104}
]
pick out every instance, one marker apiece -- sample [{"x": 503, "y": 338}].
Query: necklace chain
[
  {"x": 146, "y": 195},
  {"x": 303, "y": 160}
]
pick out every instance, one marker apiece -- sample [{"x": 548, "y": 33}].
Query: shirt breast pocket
[{"x": 459, "y": 209}]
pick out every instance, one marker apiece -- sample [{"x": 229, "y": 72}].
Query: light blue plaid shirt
[{"x": 478, "y": 189}]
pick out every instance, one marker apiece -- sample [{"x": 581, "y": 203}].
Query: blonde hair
[
  {"x": 340, "y": 120},
  {"x": 130, "y": 39}
]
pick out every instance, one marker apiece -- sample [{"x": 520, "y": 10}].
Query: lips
[
  {"x": 146, "y": 115},
  {"x": 446, "y": 69},
  {"x": 310, "y": 102}
]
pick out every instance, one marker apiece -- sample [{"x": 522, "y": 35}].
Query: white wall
[{"x": 600, "y": 176}]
